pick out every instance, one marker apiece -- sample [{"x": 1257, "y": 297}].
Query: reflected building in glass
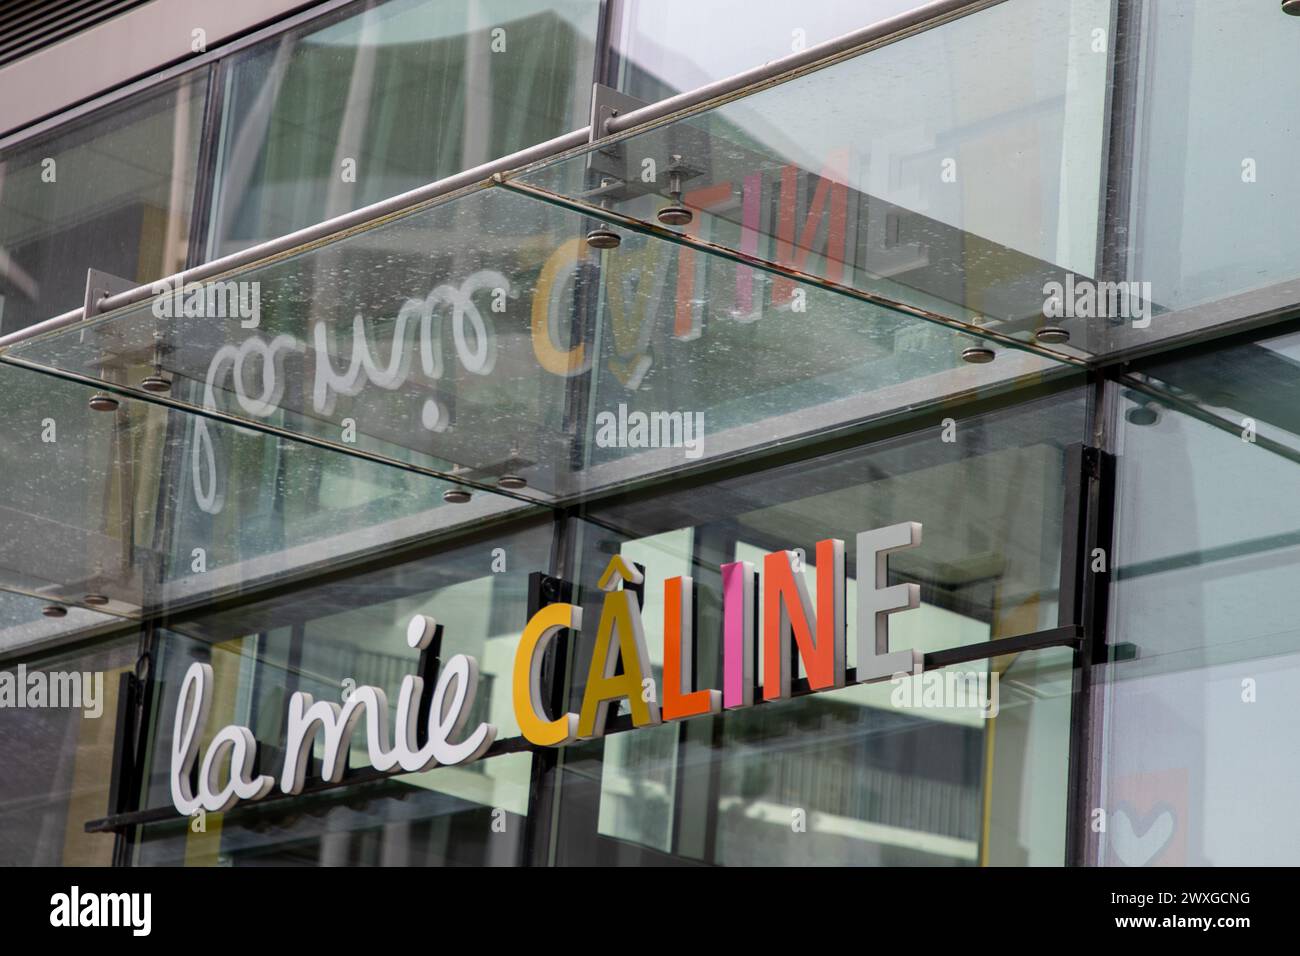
[{"x": 378, "y": 316}]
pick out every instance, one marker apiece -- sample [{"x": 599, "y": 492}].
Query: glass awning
[
  {"x": 323, "y": 405},
  {"x": 26, "y": 621},
  {"x": 869, "y": 241},
  {"x": 956, "y": 173},
  {"x": 112, "y": 514},
  {"x": 961, "y": 174},
  {"x": 482, "y": 341}
]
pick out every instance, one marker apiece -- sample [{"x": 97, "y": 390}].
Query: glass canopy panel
[
  {"x": 686, "y": 375},
  {"x": 153, "y": 507},
  {"x": 411, "y": 340},
  {"x": 25, "y": 623},
  {"x": 956, "y": 171},
  {"x": 481, "y": 338}
]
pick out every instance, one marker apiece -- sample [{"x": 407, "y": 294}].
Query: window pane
[
  {"x": 1217, "y": 201},
  {"x": 111, "y": 192},
  {"x": 327, "y": 118},
  {"x": 480, "y": 336},
  {"x": 866, "y": 776},
  {"x": 670, "y": 46},
  {"x": 1201, "y": 697},
  {"x": 58, "y": 755}
]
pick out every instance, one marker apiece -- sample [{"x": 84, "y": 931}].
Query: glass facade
[
  {"x": 903, "y": 785},
  {"x": 338, "y": 115},
  {"x": 1204, "y": 556},
  {"x": 114, "y": 191},
  {"x": 1000, "y": 275}
]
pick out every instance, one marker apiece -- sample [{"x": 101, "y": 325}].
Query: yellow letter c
[{"x": 526, "y": 684}]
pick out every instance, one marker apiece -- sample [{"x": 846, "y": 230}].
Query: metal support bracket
[
  {"x": 606, "y": 103},
  {"x": 679, "y": 153},
  {"x": 607, "y": 166},
  {"x": 99, "y": 286}
]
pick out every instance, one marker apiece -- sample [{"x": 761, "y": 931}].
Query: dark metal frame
[{"x": 1088, "y": 531}]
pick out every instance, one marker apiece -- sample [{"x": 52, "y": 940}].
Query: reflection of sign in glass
[
  {"x": 635, "y": 286},
  {"x": 620, "y": 672},
  {"x": 473, "y": 337}
]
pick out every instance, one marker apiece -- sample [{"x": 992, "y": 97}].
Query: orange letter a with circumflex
[{"x": 788, "y": 610}]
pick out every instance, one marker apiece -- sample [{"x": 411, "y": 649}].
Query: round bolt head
[
  {"x": 1143, "y": 415},
  {"x": 512, "y": 482},
  {"x": 1292, "y": 7},
  {"x": 156, "y": 383},
  {"x": 675, "y": 215},
  {"x": 1052, "y": 333},
  {"x": 604, "y": 238},
  {"x": 54, "y": 610},
  {"x": 103, "y": 402},
  {"x": 95, "y": 600},
  {"x": 977, "y": 355},
  {"x": 456, "y": 496}
]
